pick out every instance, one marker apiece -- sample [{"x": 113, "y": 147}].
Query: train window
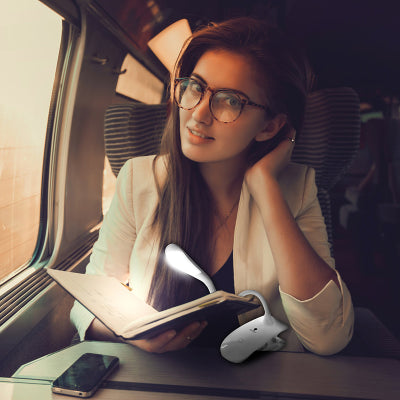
[
  {"x": 30, "y": 35},
  {"x": 139, "y": 83}
]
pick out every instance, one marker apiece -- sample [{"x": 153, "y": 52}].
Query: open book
[{"x": 128, "y": 316}]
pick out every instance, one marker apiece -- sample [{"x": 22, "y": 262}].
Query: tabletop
[{"x": 204, "y": 374}]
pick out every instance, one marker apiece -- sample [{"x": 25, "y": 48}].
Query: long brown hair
[{"x": 185, "y": 207}]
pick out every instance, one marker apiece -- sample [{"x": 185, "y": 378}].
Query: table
[{"x": 202, "y": 374}]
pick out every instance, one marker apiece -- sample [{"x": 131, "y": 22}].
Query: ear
[{"x": 271, "y": 128}]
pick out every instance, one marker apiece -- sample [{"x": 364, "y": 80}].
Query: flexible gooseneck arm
[
  {"x": 260, "y": 297},
  {"x": 180, "y": 261},
  {"x": 207, "y": 281}
]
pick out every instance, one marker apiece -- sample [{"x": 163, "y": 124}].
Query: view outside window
[{"x": 30, "y": 36}]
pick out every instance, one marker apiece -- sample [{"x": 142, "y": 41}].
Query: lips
[{"x": 198, "y": 133}]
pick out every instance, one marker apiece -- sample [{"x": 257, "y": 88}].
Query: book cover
[{"x": 128, "y": 316}]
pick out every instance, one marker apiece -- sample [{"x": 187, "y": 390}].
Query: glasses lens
[
  {"x": 226, "y": 106},
  {"x": 188, "y": 93}
]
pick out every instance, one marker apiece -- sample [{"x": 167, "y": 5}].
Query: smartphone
[{"x": 85, "y": 375}]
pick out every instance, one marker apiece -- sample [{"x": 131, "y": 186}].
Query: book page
[
  {"x": 219, "y": 300},
  {"x": 177, "y": 310},
  {"x": 105, "y": 297}
]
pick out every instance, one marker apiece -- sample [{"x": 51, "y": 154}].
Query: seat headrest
[
  {"x": 330, "y": 136},
  {"x": 132, "y": 130}
]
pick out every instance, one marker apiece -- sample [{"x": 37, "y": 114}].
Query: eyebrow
[{"x": 198, "y": 77}]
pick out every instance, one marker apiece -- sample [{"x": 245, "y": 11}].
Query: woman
[{"x": 223, "y": 189}]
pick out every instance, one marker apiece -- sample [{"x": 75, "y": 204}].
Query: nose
[{"x": 202, "y": 113}]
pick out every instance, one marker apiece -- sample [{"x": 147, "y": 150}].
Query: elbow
[
  {"x": 327, "y": 349},
  {"x": 331, "y": 342}
]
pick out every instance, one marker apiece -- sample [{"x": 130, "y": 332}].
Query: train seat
[{"x": 132, "y": 130}]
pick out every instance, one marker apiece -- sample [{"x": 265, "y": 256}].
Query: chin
[
  {"x": 201, "y": 154},
  {"x": 194, "y": 154},
  {"x": 198, "y": 158}
]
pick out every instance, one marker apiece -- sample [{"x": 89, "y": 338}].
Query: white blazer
[{"x": 127, "y": 249}]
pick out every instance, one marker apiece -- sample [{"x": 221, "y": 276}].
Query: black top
[
  {"x": 215, "y": 333},
  {"x": 223, "y": 278}
]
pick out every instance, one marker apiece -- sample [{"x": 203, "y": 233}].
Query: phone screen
[{"x": 85, "y": 375}]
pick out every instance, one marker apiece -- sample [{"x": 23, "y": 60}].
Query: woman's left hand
[{"x": 271, "y": 165}]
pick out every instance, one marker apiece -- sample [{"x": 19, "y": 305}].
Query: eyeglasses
[{"x": 226, "y": 105}]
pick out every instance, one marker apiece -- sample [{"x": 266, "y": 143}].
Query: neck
[{"x": 224, "y": 179}]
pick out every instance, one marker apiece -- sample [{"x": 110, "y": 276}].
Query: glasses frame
[{"x": 244, "y": 99}]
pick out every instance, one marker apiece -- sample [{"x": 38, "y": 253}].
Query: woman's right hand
[
  {"x": 170, "y": 340},
  {"x": 166, "y": 341}
]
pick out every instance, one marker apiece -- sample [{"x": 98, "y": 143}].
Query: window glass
[{"x": 30, "y": 35}]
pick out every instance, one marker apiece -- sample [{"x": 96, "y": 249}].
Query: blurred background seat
[
  {"x": 132, "y": 130},
  {"x": 329, "y": 140}
]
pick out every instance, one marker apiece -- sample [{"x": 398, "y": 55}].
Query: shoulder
[
  {"x": 137, "y": 175},
  {"x": 141, "y": 168},
  {"x": 137, "y": 166}
]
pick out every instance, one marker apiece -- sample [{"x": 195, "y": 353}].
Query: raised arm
[{"x": 316, "y": 301}]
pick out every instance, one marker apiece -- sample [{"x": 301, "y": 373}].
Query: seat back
[
  {"x": 392, "y": 151},
  {"x": 328, "y": 142},
  {"x": 132, "y": 130}
]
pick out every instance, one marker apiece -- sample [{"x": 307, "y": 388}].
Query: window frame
[
  {"x": 61, "y": 246},
  {"x": 21, "y": 307}
]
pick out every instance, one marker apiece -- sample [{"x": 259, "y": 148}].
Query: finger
[
  {"x": 156, "y": 344},
  {"x": 194, "y": 331},
  {"x": 185, "y": 336}
]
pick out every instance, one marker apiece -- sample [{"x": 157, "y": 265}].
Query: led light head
[{"x": 180, "y": 261}]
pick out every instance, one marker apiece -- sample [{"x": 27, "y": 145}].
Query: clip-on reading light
[{"x": 259, "y": 334}]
